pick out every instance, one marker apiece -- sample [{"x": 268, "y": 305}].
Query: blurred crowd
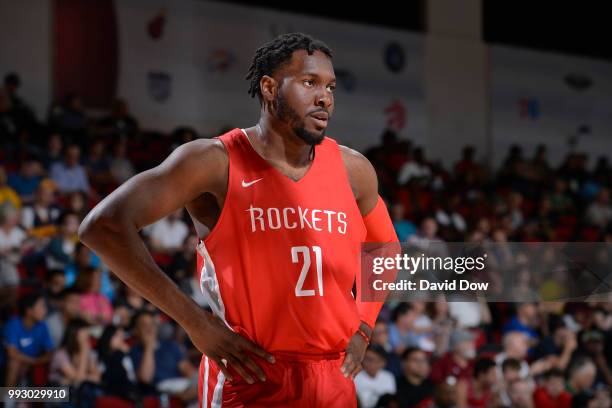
[{"x": 66, "y": 320}]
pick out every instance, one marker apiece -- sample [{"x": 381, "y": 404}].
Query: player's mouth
[{"x": 320, "y": 118}]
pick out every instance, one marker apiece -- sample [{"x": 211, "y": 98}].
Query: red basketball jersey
[{"x": 281, "y": 261}]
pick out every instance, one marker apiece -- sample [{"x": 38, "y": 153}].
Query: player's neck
[{"x": 276, "y": 142}]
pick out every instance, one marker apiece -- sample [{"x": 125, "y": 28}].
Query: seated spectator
[
  {"x": 581, "y": 375},
  {"x": 118, "y": 373},
  {"x": 86, "y": 258},
  {"x": 414, "y": 386},
  {"x": 477, "y": 392},
  {"x": 69, "y": 308},
  {"x": 55, "y": 282},
  {"x": 511, "y": 371},
  {"x": 374, "y": 381},
  {"x": 97, "y": 164},
  {"x": 27, "y": 339},
  {"x": 70, "y": 175},
  {"x": 561, "y": 343},
  {"x": 95, "y": 307},
  {"x": 516, "y": 345},
  {"x": 40, "y": 217},
  {"x": 129, "y": 302},
  {"x": 380, "y": 337},
  {"x": 403, "y": 228},
  {"x": 121, "y": 167},
  {"x": 12, "y": 239},
  {"x": 161, "y": 365},
  {"x": 53, "y": 153},
  {"x": 120, "y": 122},
  {"x": 401, "y": 334},
  {"x": 445, "y": 394},
  {"x": 417, "y": 168},
  {"x": 552, "y": 394},
  {"x": 599, "y": 213},
  {"x": 60, "y": 250},
  {"x": 525, "y": 320},
  {"x": 168, "y": 234},
  {"x": 470, "y": 314},
  {"x": 521, "y": 394},
  {"x": 7, "y": 194},
  {"x": 69, "y": 118},
  {"x": 74, "y": 364},
  {"x": 26, "y": 181},
  {"x": 459, "y": 361},
  {"x": 593, "y": 347}
]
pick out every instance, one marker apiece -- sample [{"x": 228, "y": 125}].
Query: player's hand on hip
[
  {"x": 355, "y": 351},
  {"x": 228, "y": 349}
]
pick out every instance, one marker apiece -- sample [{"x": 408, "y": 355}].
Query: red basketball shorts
[{"x": 290, "y": 382}]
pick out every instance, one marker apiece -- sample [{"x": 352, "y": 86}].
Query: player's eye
[
  {"x": 309, "y": 82},
  {"x": 331, "y": 88}
]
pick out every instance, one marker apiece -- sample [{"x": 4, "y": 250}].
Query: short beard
[{"x": 286, "y": 114}]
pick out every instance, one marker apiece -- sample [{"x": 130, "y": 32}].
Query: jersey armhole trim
[{"x": 225, "y": 209}]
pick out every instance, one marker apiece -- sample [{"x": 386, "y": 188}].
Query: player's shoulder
[
  {"x": 355, "y": 162},
  {"x": 202, "y": 152},
  {"x": 361, "y": 173}
]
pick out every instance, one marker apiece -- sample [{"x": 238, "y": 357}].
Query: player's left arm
[{"x": 379, "y": 227}]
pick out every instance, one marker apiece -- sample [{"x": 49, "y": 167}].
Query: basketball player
[{"x": 281, "y": 211}]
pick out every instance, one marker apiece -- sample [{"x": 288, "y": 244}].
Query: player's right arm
[{"x": 111, "y": 231}]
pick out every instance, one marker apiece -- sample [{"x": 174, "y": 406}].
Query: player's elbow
[{"x": 95, "y": 227}]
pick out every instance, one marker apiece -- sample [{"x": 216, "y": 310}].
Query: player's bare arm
[
  {"x": 111, "y": 230},
  {"x": 364, "y": 183}
]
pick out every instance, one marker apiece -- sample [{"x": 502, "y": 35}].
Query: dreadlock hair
[{"x": 275, "y": 53}]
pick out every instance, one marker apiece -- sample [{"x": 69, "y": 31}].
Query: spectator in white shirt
[
  {"x": 374, "y": 381},
  {"x": 168, "y": 234}
]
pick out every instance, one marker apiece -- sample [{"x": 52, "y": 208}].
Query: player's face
[{"x": 305, "y": 99}]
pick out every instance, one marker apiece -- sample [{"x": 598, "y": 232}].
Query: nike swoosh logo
[{"x": 250, "y": 183}]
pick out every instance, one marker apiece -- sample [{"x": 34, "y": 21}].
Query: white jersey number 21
[{"x": 305, "y": 251}]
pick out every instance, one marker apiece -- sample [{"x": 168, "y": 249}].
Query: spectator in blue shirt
[
  {"x": 26, "y": 338},
  {"x": 26, "y": 181},
  {"x": 158, "y": 360},
  {"x": 69, "y": 175},
  {"x": 525, "y": 321}
]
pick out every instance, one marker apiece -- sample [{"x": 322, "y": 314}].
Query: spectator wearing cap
[
  {"x": 374, "y": 381},
  {"x": 26, "y": 338},
  {"x": 593, "y": 347},
  {"x": 551, "y": 393},
  {"x": 69, "y": 174},
  {"x": 413, "y": 385},
  {"x": 459, "y": 361},
  {"x": 477, "y": 392}
]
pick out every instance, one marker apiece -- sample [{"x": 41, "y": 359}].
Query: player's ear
[{"x": 268, "y": 86}]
